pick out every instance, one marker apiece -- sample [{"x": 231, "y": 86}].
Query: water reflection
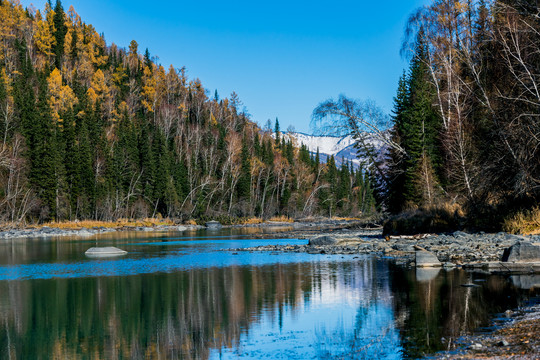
[
  {"x": 433, "y": 312},
  {"x": 283, "y": 307}
]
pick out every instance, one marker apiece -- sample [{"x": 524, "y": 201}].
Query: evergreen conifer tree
[
  {"x": 244, "y": 183},
  {"x": 59, "y": 33},
  {"x": 277, "y": 132}
]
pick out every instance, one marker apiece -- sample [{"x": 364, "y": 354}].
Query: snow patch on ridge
[{"x": 341, "y": 147}]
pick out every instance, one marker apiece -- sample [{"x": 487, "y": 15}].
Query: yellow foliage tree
[
  {"x": 7, "y": 28},
  {"x": 149, "y": 89},
  {"x": 96, "y": 48},
  {"x": 99, "y": 89},
  {"x": 62, "y": 96},
  {"x": 43, "y": 38},
  {"x": 119, "y": 75}
]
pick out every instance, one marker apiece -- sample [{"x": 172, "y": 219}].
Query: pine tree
[
  {"x": 71, "y": 162},
  {"x": 316, "y": 165},
  {"x": 244, "y": 183},
  {"x": 43, "y": 152},
  {"x": 277, "y": 132},
  {"x": 344, "y": 186},
  {"x": 147, "y": 59},
  {"x": 368, "y": 195},
  {"x": 147, "y": 162},
  {"x": 59, "y": 33},
  {"x": 395, "y": 176},
  {"x": 413, "y": 179},
  {"x": 85, "y": 171},
  {"x": 421, "y": 132},
  {"x": 328, "y": 195}
]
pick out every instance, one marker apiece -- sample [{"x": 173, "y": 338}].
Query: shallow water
[{"x": 182, "y": 295}]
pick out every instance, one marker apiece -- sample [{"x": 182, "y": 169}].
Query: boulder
[
  {"x": 522, "y": 251},
  {"x": 104, "y": 252},
  {"x": 526, "y": 281},
  {"x": 323, "y": 240},
  {"x": 426, "y": 258},
  {"x": 213, "y": 225},
  {"x": 403, "y": 247}
]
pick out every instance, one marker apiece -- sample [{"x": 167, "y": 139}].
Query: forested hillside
[
  {"x": 467, "y": 113},
  {"x": 465, "y": 130},
  {"x": 96, "y": 131}
]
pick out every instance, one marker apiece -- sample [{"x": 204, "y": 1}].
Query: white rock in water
[
  {"x": 425, "y": 258},
  {"x": 104, "y": 252}
]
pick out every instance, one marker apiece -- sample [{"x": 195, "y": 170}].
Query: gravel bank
[
  {"x": 516, "y": 338},
  {"x": 459, "y": 248},
  {"x": 49, "y": 232}
]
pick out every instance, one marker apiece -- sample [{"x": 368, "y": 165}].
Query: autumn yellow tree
[{"x": 62, "y": 96}]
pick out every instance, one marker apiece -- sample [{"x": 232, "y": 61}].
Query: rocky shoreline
[
  {"x": 315, "y": 226},
  {"x": 516, "y": 338},
  {"x": 453, "y": 250},
  {"x": 50, "y": 232}
]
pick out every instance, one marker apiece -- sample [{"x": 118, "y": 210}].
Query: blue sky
[{"x": 281, "y": 57}]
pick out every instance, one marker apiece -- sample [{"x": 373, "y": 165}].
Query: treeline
[
  {"x": 95, "y": 131},
  {"x": 466, "y": 123}
]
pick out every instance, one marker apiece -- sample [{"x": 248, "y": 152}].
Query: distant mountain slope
[
  {"x": 341, "y": 147},
  {"x": 329, "y": 145}
]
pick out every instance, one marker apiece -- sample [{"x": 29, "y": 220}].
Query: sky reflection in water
[{"x": 170, "y": 298}]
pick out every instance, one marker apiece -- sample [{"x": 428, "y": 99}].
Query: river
[{"x": 183, "y": 295}]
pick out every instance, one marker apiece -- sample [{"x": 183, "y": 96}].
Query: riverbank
[
  {"x": 516, "y": 337},
  {"x": 49, "y": 232},
  {"x": 458, "y": 249},
  {"x": 277, "y": 227}
]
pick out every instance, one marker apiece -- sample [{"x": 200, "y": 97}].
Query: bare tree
[{"x": 346, "y": 116}]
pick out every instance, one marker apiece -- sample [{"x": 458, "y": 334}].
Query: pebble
[{"x": 476, "y": 346}]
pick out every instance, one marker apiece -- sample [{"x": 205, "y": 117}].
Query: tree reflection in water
[{"x": 358, "y": 309}]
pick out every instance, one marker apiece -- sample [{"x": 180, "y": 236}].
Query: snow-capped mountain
[
  {"x": 328, "y": 145},
  {"x": 341, "y": 147}
]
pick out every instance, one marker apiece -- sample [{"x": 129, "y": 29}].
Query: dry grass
[
  {"x": 251, "y": 221},
  {"x": 149, "y": 222},
  {"x": 339, "y": 218},
  {"x": 525, "y": 222},
  {"x": 281, "y": 218}
]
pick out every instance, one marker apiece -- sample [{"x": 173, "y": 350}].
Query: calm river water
[{"x": 180, "y": 295}]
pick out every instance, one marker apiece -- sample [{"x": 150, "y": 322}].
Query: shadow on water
[{"x": 304, "y": 307}]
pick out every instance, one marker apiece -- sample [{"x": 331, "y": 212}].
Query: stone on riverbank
[
  {"x": 425, "y": 258},
  {"x": 323, "y": 240},
  {"x": 522, "y": 251},
  {"x": 105, "y": 252},
  {"x": 526, "y": 281},
  {"x": 213, "y": 225}
]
